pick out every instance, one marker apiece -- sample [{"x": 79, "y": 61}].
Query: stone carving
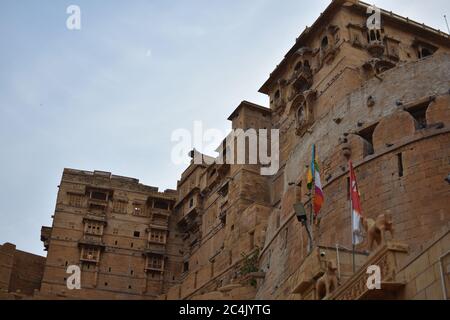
[
  {"x": 376, "y": 229},
  {"x": 328, "y": 282},
  {"x": 376, "y": 66},
  {"x": 301, "y": 110}
]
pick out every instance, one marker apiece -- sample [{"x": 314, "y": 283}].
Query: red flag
[{"x": 356, "y": 207}]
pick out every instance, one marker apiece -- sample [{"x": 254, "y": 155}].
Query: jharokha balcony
[
  {"x": 154, "y": 263},
  {"x": 90, "y": 255}
]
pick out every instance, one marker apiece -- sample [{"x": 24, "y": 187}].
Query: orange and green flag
[{"x": 313, "y": 178}]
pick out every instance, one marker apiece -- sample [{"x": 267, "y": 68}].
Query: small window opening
[
  {"x": 400, "y": 164},
  {"x": 252, "y": 239},
  {"x": 367, "y": 134},
  {"x": 424, "y": 52},
  {"x": 161, "y": 205},
  {"x": 324, "y": 43},
  {"x": 277, "y": 95},
  {"x": 286, "y": 233},
  {"x": 419, "y": 113},
  {"x": 98, "y": 195},
  {"x": 278, "y": 221},
  {"x": 137, "y": 234}
]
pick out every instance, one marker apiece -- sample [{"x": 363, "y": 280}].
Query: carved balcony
[
  {"x": 154, "y": 263},
  {"x": 89, "y": 258},
  {"x": 190, "y": 220},
  {"x": 90, "y": 254},
  {"x": 328, "y": 54},
  {"x": 45, "y": 236},
  {"x": 388, "y": 258},
  {"x": 302, "y": 79},
  {"x": 376, "y": 48}
]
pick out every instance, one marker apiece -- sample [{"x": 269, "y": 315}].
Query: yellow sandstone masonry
[{"x": 378, "y": 99}]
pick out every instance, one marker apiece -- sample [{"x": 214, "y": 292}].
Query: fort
[{"x": 380, "y": 98}]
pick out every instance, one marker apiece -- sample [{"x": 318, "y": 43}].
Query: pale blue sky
[{"x": 96, "y": 99}]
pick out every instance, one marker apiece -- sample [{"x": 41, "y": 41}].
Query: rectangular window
[
  {"x": 400, "y": 164},
  {"x": 90, "y": 254},
  {"x": 252, "y": 239},
  {"x": 120, "y": 207},
  {"x": 139, "y": 210},
  {"x": 155, "y": 263},
  {"x": 93, "y": 228},
  {"x": 157, "y": 236},
  {"x": 136, "y": 234},
  {"x": 97, "y": 195},
  {"x": 161, "y": 205},
  {"x": 76, "y": 200}
]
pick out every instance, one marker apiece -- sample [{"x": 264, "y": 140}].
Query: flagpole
[
  {"x": 311, "y": 217},
  {"x": 352, "y": 220},
  {"x": 353, "y": 240}
]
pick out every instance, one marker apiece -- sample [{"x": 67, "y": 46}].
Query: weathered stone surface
[{"x": 378, "y": 102}]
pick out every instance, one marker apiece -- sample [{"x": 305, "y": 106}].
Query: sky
[{"x": 109, "y": 96}]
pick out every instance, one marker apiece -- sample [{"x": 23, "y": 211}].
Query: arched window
[
  {"x": 324, "y": 43},
  {"x": 277, "y": 95},
  {"x": 298, "y": 66}
]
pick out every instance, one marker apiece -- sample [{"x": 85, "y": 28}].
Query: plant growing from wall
[{"x": 250, "y": 265}]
